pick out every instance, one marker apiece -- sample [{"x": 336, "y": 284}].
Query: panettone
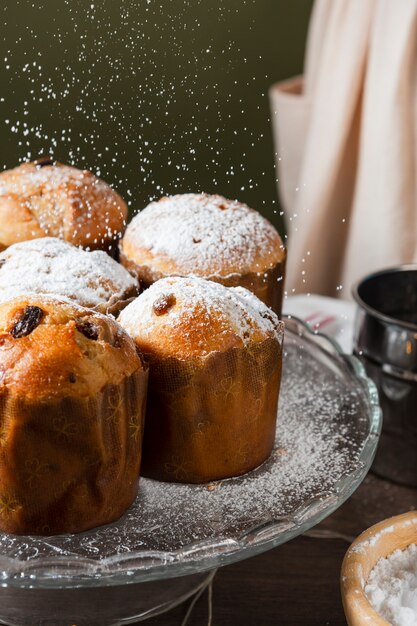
[
  {"x": 72, "y": 402},
  {"x": 215, "y": 366},
  {"x": 210, "y": 237},
  {"x": 52, "y": 266},
  {"x": 45, "y": 197}
]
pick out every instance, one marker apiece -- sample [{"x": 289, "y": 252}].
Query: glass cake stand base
[{"x": 95, "y": 606}]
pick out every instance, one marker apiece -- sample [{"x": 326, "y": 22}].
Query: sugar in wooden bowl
[
  {"x": 392, "y": 587},
  {"x": 379, "y": 574}
]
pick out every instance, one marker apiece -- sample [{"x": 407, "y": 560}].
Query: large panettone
[
  {"x": 48, "y": 198},
  {"x": 72, "y": 402},
  {"x": 215, "y": 367}
]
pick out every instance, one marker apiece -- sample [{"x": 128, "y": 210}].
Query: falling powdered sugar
[{"x": 392, "y": 587}]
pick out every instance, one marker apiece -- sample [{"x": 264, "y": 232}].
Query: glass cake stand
[{"x": 167, "y": 546}]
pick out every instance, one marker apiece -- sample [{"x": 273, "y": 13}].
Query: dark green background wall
[{"x": 156, "y": 96}]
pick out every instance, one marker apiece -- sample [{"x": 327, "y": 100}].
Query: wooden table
[{"x": 296, "y": 584}]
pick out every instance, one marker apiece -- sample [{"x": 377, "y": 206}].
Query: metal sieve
[{"x": 385, "y": 339}]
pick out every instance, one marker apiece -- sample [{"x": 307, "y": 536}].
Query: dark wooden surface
[{"x": 296, "y": 584}]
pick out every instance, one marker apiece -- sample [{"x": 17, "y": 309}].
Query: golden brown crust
[
  {"x": 215, "y": 367},
  {"x": 72, "y": 405},
  {"x": 17, "y": 223},
  {"x": 71, "y": 351},
  {"x": 62, "y": 201},
  {"x": 203, "y": 235},
  {"x": 200, "y": 317}
]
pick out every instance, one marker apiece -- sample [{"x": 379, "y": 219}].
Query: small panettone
[
  {"x": 52, "y": 266},
  {"x": 210, "y": 237},
  {"x": 48, "y": 198},
  {"x": 72, "y": 402},
  {"x": 215, "y": 368}
]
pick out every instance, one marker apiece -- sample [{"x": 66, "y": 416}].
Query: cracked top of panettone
[{"x": 45, "y": 197}]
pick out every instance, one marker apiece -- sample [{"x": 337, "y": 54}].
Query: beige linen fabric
[{"x": 346, "y": 142}]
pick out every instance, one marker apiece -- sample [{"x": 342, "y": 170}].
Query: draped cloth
[{"x": 346, "y": 145}]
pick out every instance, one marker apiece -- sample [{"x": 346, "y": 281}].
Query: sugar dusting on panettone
[
  {"x": 197, "y": 316},
  {"x": 202, "y": 235},
  {"x": 66, "y": 202},
  {"x": 72, "y": 403},
  {"x": 52, "y": 266}
]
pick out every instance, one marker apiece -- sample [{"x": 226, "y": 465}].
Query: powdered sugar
[
  {"x": 205, "y": 235},
  {"x": 52, "y": 266},
  {"x": 392, "y": 587},
  {"x": 239, "y": 308}
]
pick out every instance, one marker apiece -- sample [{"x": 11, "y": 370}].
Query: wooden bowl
[{"x": 394, "y": 533}]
